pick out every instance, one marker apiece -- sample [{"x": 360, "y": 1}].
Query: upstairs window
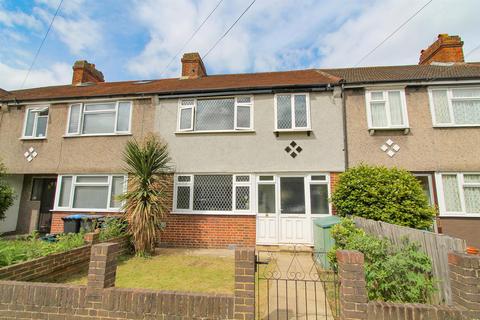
[
  {"x": 455, "y": 106},
  {"x": 105, "y": 118},
  {"x": 459, "y": 194},
  {"x": 36, "y": 121},
  {"x": 215, "y": 114},
  {"x": 292, "y": 112},
  {"x": 386, "y": 109}
]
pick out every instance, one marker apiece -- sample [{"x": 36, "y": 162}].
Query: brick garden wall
[{"x": 57, "y": 225}]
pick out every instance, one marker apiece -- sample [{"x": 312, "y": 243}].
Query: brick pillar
[
  {"x": 244, "y": 284},
  {"x": 353, "y": 290},
  {"x": 464, "y": 272},
  {"x": 102, "y": 269},
  {"x": 92, "y": 238}
]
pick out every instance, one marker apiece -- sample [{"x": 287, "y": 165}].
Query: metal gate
[{"x": 294, "y": 284}]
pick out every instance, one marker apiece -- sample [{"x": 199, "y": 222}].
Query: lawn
[{"x": 177, "y": 271}]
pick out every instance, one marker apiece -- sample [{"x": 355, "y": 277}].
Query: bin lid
[
  {"x": 326, "y": 222},
  {"x": 81, "y": 216}
]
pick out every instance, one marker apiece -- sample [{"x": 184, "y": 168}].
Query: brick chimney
[
  {"x": 85, "y": 72},
  {"x": 445, "y": 49},
  {"x": 192, "y": 66}
]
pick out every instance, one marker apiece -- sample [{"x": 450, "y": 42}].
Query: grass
[{"x": 176, "y": 271}]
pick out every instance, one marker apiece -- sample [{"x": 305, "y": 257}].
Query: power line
[
  {"x": 43, "y": 41},
  {"x": 472, "y": 51},
  {"x": 226, "y": 32},
  {"x": 191, "y": 37},
  {"x": 391, "y": 34}
]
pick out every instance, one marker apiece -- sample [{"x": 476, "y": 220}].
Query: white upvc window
[
  {"x": 459, "y": 194},
  {"x": 292, "y": 112},
  {"x": 99, "y": 118},
  {"x": 215, "y": 114},
  {"x": 455, "y": 107},
  {"x": 386, "y": 109},
  {"x": 97, "y": 193},
  {"x": 36, "y": 123},
  {"x": 213, "y": 194}
]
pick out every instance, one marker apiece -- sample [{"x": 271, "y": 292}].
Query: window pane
[
  {"x": 92, "y": 179},
  {"x": 450, "y": 192},
  {"x": 376, "y": 95},
  {"x": 186, "y": 118},
  {"x": 284, "y": 112},
  {"x": 396, "y": 112},
  {"x": 266, "y": 198},
  {"x": 425, "y": 186},
  {"x": 440, "y": 106},
  {"x": 74, "y": 119},
  {"x": 379, "y": 114},
  {"x": 244, "y": 178},
  {"x": 300, "y": 111},
  {"x": 471, "y": 178},
  {"x": 41, "y": 126},
  {"x": 472, "y": 199},
  {"x": 243, "y": 116},
  {"x": 183, "y": 197},
  {"x": 36, "y": 190},
  {"x": 187, "y": 102},
  {"x": 466, "y": 92},
  {"x": 292, "y": 195},
  {"x": 215, "y": 114},
  {"x": 319, "y": 178},
  {"x": 266, "y": 178},
  {"x": 183, "y": 178},
  {"x": 466, "y": 112},
  {"x": 319, "y": 198},
  {"x": 212, "y": 192},
  {"x": 65, "y": 190},
  {"x": 99, "y": 123},
  {"x": 90, "y": 197},
  {"x": 123, "y": 121},
  {"x": 97, "y": 107},
  {"x": 242, "y": 198},
  {"x": 29, "y": 124},
  {"x": 117, "y": 189},
  {"x": 243, "y": 100}
]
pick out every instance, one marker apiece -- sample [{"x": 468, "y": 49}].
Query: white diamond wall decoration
[
  {"x": 29, "y": 158},
  {"x": 34, "y": 154},
  {"x": 31, "y": 149},
  {"x": 396, "y": 147},
  {"x": 26, "y": 154},
  {"x": 30, "y": 154},
  {"x": 384, "y": 148},
  {"x": 391, "y": 153},
  {"x": 389, "y": 142},
  {"x": 390, "y": 148}
]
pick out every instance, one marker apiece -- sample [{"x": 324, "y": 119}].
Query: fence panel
[{"x": 436, "y": 246}]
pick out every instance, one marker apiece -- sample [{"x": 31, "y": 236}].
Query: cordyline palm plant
[{"x": 146, "y": 198}]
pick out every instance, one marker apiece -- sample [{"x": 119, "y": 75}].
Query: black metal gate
[{"x": 295, "y": 284}]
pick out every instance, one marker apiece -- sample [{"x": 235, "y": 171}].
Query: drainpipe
[{"x": 344, "y": 118}]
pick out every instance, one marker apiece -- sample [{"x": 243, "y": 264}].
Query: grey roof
[{"x": 464, "y": 71}]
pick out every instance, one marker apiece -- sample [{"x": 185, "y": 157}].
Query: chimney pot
[
  {"x": 192, "y": 66},
  {"x": 445, "y": 49},
  {"x": 85, "y": 72}
]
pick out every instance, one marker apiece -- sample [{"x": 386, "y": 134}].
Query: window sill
[
  {"x": 406, "y": 130},
  {"x": 215, "y": 131},
  {"x": 453, "y": 126},
  {"x": 86, "y": 211},
  {"x": 219, "y": 213},
  {"x": 290, "y": 131},
  {"x": 32, "y": 138},
  {"x": 459, "y": 215},
  {"x": 97, "y": 135}
]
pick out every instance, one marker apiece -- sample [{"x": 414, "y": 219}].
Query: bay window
[
  {"x": 386, "y": 109},
  {"x": 90, "y": 192},
  {"x": 455, "y": 106},
  {"x": 215, "y": 114},
  {"x": 36, "y": 122},
  {"x": 102, "y": 118},
  {"x": 459, "y": 193},
  {"x": 292, "y": 112}
]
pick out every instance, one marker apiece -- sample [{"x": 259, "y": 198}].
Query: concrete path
[{"x": 297, "y": 293}]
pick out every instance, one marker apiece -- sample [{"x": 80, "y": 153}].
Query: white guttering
[{"x": 406, "y": 83}]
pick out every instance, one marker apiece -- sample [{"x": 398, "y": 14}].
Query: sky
[{"x": 136, "y": 39}]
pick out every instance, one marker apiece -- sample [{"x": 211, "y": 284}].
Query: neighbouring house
[
  {"x": 424, "y": 118},
  {"x": 256, "y": 156}
]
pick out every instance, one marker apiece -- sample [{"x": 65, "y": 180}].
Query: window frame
[
  {"x": 82, "y": 113},
  {"x": 74, "y": 183},
  {"x": 292, "y": 98},
  {"x": 35, "y": 122},
  {"x": 450, "y": 98},
  {"x": 190, "y": 184},
  {"x": 460, "y": 186},
  {"x": 430, "y": 185},
  {"x": 237, "y": 104},
  {"x": 385, "y": 91}
]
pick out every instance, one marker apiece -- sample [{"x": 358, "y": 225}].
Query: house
[
  {"x": 424, "y": 118},
  {"x": 256, "y": 156}
]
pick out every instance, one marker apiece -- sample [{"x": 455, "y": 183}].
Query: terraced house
[{"x": 255, "y": 156}]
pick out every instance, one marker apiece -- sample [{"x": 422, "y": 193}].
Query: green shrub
[
  {"x": 7, "y": 194},
  {"x": 379, "y": 193},
  {"x": 392, "y": 274},
  {"x": 113, "y": 228}
]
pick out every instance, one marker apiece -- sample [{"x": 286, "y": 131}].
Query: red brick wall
[
  {"x": 57, "y": 222},
  {"x": 334, "y": 177},
  {"x": 209, "y": 231}
]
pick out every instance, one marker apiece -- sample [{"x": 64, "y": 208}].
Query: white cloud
[
  {"x": 18, "y": 18},
  {"x": 11, "y": 78}
]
